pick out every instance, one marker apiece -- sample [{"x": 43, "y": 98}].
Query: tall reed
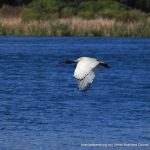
[{"x": 75, "y": 27}]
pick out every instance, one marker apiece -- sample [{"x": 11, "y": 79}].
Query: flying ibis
[{"x": 85, "y": 71}]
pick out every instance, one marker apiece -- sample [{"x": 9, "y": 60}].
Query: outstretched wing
[
  {"x": 84, "y": 84},
  {"x": 84, "y": 68}
]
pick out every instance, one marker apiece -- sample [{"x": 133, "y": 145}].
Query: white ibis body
[{"x": 85, "y": 71}]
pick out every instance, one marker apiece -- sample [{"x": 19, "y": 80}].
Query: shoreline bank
[{"x": 75, "y": 27}]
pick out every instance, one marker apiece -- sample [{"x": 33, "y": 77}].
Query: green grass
[{"x": 3, "y": 30}]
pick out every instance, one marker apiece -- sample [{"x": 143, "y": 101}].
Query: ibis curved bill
[{"x": 85, "y": 71}]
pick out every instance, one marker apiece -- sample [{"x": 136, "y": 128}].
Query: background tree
[
  {"x": 14, "y": 2},
  {"x": 139, "y": 4}
]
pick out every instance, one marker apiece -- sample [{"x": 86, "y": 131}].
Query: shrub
[
  {"x": 90, "y": 6},
  {"x": 68, "y": 12},
  {"x": 96, "y": 6},
  {"x": 29, "y": 14},
  {"x": 50, "y": 5},
  {"x": 103, "y": 8},
  {"x": 131, "y": 16},
  {"x": 111, "y": 4},
  {"x": 86, "y": 14},
  {"x": 33, "y": 14},
  {"x": 9, "y": 11},
  {"x": 108, "y": 13}
]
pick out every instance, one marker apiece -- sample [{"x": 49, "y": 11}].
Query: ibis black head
[
  {"x": 69, "y": 61},
  {"x": 104, "y": 64}
]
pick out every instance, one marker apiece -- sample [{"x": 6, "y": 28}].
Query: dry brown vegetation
[{"x": 74, "y": 27}]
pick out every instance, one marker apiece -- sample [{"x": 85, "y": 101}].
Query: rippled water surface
[{"x": 41, "y": 108}]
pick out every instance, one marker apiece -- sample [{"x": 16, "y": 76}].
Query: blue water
[{"x": 41, "y": 108}]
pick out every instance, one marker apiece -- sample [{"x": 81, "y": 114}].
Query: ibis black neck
[
  {"x": 69, "y": 62},
  {"x": 104, "y": 64}
]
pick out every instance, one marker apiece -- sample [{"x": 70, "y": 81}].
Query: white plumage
[
  {"x": 85, "y": 71},
  {"x": 84, "y": 66},
  {"x": 84, "y": 83}
]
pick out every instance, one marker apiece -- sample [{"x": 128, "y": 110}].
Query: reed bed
[{"x": 75, "y": 27}]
